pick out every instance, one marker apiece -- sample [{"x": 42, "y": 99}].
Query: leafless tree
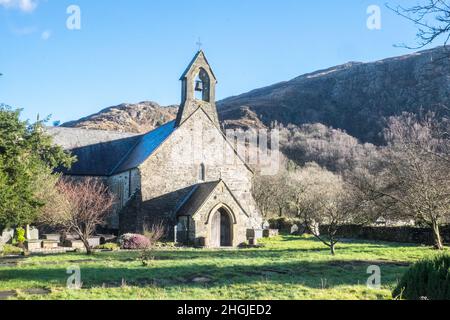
[
  {"x": 155, "y": 232},
  {"x": 432, "y": 19},
  {"x": 323, "y": 198},
  {"x": 414, "y": 180},
  {"x": 79, "y": 207}
]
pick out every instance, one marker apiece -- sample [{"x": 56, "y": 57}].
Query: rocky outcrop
[
  {"x": 137, "y": 118},
  {"x": 355, "y": 97}
]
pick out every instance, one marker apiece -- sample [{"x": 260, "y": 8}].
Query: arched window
[
  {"x": 202, "y": 86},
  {"x": 202, "y": 173}
]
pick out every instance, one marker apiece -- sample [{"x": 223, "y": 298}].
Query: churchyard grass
[{"x": 288, "y": 267}]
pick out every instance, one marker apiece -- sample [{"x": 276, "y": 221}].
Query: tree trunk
[
  {"x": 437, "y": 236},
  {"x": 333, "y": 248},
  {"x": 87, "y": 246}
]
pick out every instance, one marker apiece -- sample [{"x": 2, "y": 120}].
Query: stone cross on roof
[{"x": 199, "y": 44}]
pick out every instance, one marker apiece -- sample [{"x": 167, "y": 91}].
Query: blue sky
[{"x": 135, "y": 50}]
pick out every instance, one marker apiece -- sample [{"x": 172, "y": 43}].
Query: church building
[{"x": 185, "y": 174}]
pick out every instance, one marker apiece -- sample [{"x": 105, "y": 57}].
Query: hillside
[
  {"x": 355, "y": 97},
  {"x": 136, "y": 118}
]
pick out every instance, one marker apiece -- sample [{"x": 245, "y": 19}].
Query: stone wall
[
  {"x": 202, "y": 219},
  {"x": 174, "y": 168},
  {"x": 393, "y": 234},
  {"x": 123, "y": 186}
]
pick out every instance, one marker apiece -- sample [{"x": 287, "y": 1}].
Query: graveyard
[{"x": 284, "y": 267}]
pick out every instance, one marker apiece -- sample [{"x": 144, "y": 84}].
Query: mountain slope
[
  {"x": 355, "y": 97},
  {"x": 137, "y": 118}
]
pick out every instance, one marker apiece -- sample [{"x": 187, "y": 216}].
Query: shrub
[
  {"x": 10, "y": 250},
  {"x": 131, "y": 241},
  {"x": 108, "y": 246},
  {"x": 155, "y": 233},
  {"x": 21, "y": 236},
  {"x": 427, "y": 279}
]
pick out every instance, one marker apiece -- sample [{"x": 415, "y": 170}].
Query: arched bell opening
[{"x": 202, "y": 86}]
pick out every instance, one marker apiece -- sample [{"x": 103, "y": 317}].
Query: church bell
[{"x": 199, "y": 86}]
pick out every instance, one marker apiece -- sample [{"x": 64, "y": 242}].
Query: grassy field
[{"x": 288, "y": 267}]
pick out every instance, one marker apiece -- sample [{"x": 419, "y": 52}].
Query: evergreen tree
[{"x": 27, "y": 159}]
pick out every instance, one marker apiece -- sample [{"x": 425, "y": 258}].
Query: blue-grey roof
[
  {"x": 196, "y": 198},
  {"x": 146, "y": 145},
  {"x": 198, "y": 195},
  {"x": 103, "y": 153}
]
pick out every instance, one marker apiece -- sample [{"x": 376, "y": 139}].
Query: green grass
[{"x": 288, "y": 267}]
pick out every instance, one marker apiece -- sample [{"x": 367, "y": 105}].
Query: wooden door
[
  {"x": 225, "y": 230},
  {"x": 215, "y": 230}
]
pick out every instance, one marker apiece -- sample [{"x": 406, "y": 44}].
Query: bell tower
[{"x": 198, "y": 90}]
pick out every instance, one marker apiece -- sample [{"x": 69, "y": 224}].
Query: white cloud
[
  {"x": 46, "y": 35},
  {"x": 23, "y": 5}
]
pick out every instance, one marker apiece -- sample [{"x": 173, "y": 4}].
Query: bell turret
[{"x": 198, "y": 90}]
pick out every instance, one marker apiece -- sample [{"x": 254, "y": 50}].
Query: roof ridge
[{"x": 113, "y": 171}]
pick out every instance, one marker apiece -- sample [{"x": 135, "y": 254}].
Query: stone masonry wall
[
  {"x": 175, "y": 166},
  {"x": 202, "y": 219}
]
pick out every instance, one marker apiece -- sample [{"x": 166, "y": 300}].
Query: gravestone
[
  {"x": 266, "y": 225},
  {"x": 32, "y": 233},
  {"x": 254, "y": 234},
  {"x": 50, "y": 244},
  {"x": 74, "y": 244},
  {"x": 294, "y": 229},
  {"x": 270, "y": 233},
  {"x": 52, "y": 237},
  {"x": 34, "y": 245},
  {"x": 7, "y": 235},
  {"x": 94, "y": 242}
]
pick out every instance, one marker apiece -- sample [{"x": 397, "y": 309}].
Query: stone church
[{"x": 185, "y": 174}]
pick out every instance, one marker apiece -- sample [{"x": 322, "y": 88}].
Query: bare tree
[
  {"x": 323, "y": 198},
  {"x": 272, "y": 192},
  {"x": 432, "y": 19},
  {"x": 413, "y": 182},
  {"x": 155, "y": 232},
  {"x": 418, "y": 172},
  {"x": 79, "y": 207}
]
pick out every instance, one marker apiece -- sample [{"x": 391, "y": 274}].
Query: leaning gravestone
[
  {"x": 6, "y": 236},
  {"x": 294, "y": 229}
]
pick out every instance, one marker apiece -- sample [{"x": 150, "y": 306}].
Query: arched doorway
[{"x": 221, "y": 229}]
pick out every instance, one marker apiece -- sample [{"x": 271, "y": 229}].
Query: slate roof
[
  {"x": 199, "y": 194},
  {"x": 196, "y": 198},
  {"x": 104, "y": 153},
  {"x": 193, "y": 61}
]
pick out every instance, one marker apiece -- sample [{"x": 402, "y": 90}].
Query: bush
[
  {"x": 131, "y": 241},
  {"x": 10, "y": 250},
  {"x": 427, "y": 279},
  {"x": 21, "y": 236},
  {"x": 108, "y": 246},
  {"x": 155, "y": 233}
]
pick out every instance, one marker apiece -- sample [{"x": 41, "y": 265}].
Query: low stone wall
[{"x": 393, "y": 234}]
